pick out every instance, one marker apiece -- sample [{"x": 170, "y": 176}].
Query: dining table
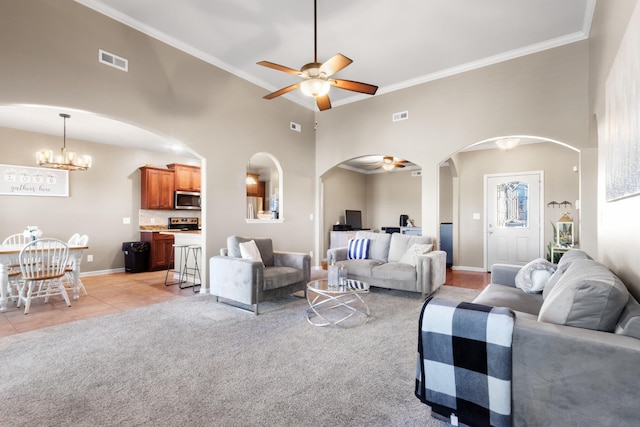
[{"x": 9, "y": 254}]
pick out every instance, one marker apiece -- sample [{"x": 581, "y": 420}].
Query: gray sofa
[
  {"x": 424, "y": 274},
  {"x": 251, "y": 282},
  {"x": 576, "y": 346}
]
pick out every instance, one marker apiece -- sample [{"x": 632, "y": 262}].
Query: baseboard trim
[
  {"x": 464, "y": 268},
  {"x": 101, "y": 272}
]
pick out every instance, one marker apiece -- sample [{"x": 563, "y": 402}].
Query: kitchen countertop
[{"x": 161, "y": 229}]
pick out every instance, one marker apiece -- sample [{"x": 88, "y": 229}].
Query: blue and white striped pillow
[{"x": 358, "y": 249}]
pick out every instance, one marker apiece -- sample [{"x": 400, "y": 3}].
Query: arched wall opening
[
  {"x": 105, "y": 201},
  {"x": 461, "y": 194},
  {"x": 381, "y": 196}
]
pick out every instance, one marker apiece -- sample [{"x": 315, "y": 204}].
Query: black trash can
[{"x": 136, "y": 256}]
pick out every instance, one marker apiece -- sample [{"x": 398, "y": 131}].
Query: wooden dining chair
[
  {"x": 77, "y": 240},
  {"x": 73, "y": 240},
  {"x": 42, "y": 266}
]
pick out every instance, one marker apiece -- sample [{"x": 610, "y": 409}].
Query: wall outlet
[
  {"x": 89, "y": 258},
  {"x": 153, "y": 220},
  {"x": 311, "y": 254},
  {"x": 126, "y": 220}
]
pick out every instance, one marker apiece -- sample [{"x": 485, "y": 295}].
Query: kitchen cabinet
[
  {"x": 187, "y": 177},
  {"x": 156, "y": 188},
  {"x": 160, "y": 251},
  {"x": 257, "y": 189}
]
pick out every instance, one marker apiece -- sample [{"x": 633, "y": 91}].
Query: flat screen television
[{"x": 353, "y": 219}]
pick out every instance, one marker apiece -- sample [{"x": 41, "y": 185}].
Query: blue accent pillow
[{"x": 358, "y": 249}]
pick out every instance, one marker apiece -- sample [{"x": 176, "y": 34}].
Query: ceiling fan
[
  {"x": 316, "y": 79},
  {"x": 387, "y": 163}
]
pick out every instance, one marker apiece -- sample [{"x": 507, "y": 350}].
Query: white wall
[
  {"x": 618, "y": 226},
  {"x": 49, "y": 57},
  {"x": 390, "y": 195},
  {"x": 540, "y": 95}
]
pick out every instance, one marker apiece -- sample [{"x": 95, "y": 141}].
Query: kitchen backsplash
[{"x": 156, "y": 218}]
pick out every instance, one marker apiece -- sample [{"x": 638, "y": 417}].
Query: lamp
[
  {"x": 315, "y": 87},
  {"x": 507, "y": 143},
  {"x": 67, "y": 160}
]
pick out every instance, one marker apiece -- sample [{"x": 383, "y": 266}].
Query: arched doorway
[
  {"x": 363, "y": 184},
  {"x": 461, "y": 193}
]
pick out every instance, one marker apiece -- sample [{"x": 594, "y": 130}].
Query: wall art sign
[
  {"x": 622, "y": 116},
  {"x": 29, "y": 181}
]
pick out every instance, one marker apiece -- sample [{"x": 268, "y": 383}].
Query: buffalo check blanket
[{"x": 464, "y": 361}]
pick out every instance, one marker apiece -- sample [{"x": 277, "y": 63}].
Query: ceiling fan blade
[
  {"x": 398, "y": 165},
  {"x": 354, "y": 86},
  {"x": 335, "y": 64},
  {"x": 279, "y": 67},
  {"x": 283, "y": 91},
  {"x": 323, "y": 102}
]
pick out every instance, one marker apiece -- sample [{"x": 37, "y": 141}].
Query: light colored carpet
[{"x": 195, "y": 362}]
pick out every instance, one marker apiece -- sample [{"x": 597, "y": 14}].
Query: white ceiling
[{"x": 394, "y": 44}]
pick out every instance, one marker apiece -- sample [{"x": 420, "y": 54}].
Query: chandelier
[{"x": 67, "y": 160}]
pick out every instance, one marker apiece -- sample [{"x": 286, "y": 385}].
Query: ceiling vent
[
  {"x": 404, "y": 115},
  {"x": 113, "y": 60}
]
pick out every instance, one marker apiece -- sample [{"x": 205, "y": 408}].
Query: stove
[{"x": 184, "y": 224}]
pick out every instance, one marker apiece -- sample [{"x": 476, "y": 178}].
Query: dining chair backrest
[
  {"x": 83, "y": 240},
  {"x": 73, "y": 240},
  {"x": 43, "y": 259},
  {"x": 16, "y": 239}
]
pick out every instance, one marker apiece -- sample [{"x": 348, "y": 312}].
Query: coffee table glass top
[{"x": 350, "y": 286}]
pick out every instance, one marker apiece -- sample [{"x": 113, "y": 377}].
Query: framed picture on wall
[{"x": 18, "y": 180}]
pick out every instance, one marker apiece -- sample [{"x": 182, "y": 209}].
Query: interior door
[{"x": 513, "y": 205}]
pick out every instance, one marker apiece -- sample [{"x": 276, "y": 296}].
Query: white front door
[{"x": 513, "y": 206}]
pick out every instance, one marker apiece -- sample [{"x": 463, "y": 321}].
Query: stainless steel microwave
[{"x": 187, "y": 200}]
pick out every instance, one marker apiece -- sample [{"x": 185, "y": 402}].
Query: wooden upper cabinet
[
  {"x": 257, "y": 189},
  {"x": 187, "y": 177},
  {"x": 156, "y": 188}
]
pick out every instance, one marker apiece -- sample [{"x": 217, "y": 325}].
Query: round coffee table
[{"x": 337, "y": 305}]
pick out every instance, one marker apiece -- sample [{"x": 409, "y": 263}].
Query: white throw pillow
[
  {"x": 249, "y": 250},
  {"x": 414, "y": 251},
  {"x": 534, "y": 276}
]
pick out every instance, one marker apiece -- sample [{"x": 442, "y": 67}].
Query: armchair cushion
[
  {"x": 278, "y": 277},
  {"x": 265, "y": 246},
  {"x": 249, "y": 250}
]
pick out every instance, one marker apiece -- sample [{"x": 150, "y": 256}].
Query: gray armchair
[{"x": 250, "y": 282}]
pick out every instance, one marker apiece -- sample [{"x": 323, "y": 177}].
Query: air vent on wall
[
  {"x": 416, "y": 173},
  {"x": 404, "y": 115},
  {"x": 113, "y": 60}
]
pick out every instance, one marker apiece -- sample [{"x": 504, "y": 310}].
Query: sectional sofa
[{"x": 576, "y": 345}]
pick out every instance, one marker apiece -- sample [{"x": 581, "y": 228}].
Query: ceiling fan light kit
[
  {"x": 315, "y": 87},
  {"x": 316, "y": 81},
  {"x": 507, "y": 143}
]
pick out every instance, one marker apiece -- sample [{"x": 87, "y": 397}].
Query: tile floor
[{"x": 123, "y": 291}]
